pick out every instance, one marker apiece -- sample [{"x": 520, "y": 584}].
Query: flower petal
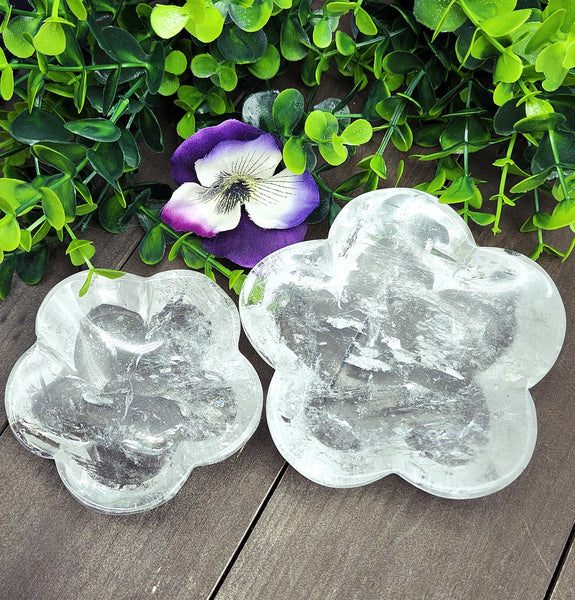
[
  {"x": 202, "y": 142},
  {"x": 257, "y": 158},
  {"x": 191, "y": 209},
  {"x": 247, "y": 244},
  {"x": 284, "y": 200}
]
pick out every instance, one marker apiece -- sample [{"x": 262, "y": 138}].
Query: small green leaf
[
  {"x": 251, "y": 18},
  {"x": 9, "y": 233},
  {"x": 107, "y": 160},
  {"x": 130, "y": 149},
  {"x": 530, "y": 183},
  {"x": 357, "y": 133},
  {"x": 86, "y": 286},
  {"x": 80, "y": 251},
  {"x": 204, "y": 65},
  {"x": 546, "y": 33},
  {"x": 7, "y": 83},
  {"x": 292, "y": 40},
  {"x": 539, "y": 123},
  {"x": 508, "y": 68},
  {"x": 121, "y": 45},
  {"x": 151, "y": 131},
  {"x": 6, "y": 272},
  {"x": 364, "y": 22},
  {"x": 53, "y": 209},
  {"x": 294, "y": 156},
  {"x": 322, "y": 33},
  {"x": 210, "y": 29},
  {"x": 155, "y": 69},
  {"x": 153, "y": 246},
  {"x": 431, "y": 13},
  {"x": 460, "y": 190},
  {"x": 268, "y": 65},
  {"x": 550, "y": 63},
  {"x": 174, "y": 250},
  {"x": 481, "y": 218},
  {"x": 288, "y": 110},
  {"x": 176, "y": 62},
  {"x": 25, "y": 240},
  {"x": 109, "y": 273},
  {"x": 55, "y": 159},
  {"x": 344, "y": 43},
  {"x": 78, "y": 9},
  {"x": 168, "y": 21},
  {"x": 320, "y": 125},
  {"x": 38, "y": 126},
  {"x": 504, "y": 24},
  {"x": 50, "y": 39},
  {"x": 15, "y": 40},
  {"x": 192, "y": 259},
  {"x": 236, "y": 280},
  {"x": 242, "y": 47},
  {"x": 377, "y": 165}
]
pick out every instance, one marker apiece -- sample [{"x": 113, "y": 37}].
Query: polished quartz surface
[
  {"x": 401, "y": 347},
  {"x": 133, "y": 385}
]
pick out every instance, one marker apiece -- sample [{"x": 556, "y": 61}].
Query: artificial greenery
[{"x": 83, "y": 81}]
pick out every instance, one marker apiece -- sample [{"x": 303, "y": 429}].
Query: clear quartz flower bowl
[
  {"x": 401, "y": 347},
  {"x": 131, "y": 386}
]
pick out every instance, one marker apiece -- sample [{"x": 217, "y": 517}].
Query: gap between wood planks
[
  {"x": 560, "y": 565},
  {"x": 247, "y": 534}
]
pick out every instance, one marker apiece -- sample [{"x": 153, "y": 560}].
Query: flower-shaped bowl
[
  {"x": 401, "y": 347},
  {"x": 131, "y": 386}
]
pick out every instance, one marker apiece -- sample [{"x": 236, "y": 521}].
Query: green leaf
[
  {"x": 80, "y": 251},
  {"x": 322, "y": 33},
  {"x": 15, "y": 40},
  {"x": 242, "y": 47},
  {"x": 563, "y": 215},
  {"x": 251, "y": 18},
  {"x": 539, "y": 123},
  {"x": 192, "y": 259},
  {"x": 6, "y": 272},
  {"x": 550, "y": 63},
  {"x": 176, "y": 62},
  {"x": 204, "y": 65},
  {"x": 332, "y": 153},
  {"x": 7, "y": 83},
  {"x": 210, "y": 29},
  {"x": 66, "y": 192},
  {"x": 130, "y": 149},
  {"x": 107, "y": 160},
  {"x": 236, "y": 280},
  {"x": 14, "y": 193},
  {"x": 486, "y": 9},
  {"x": 9, "y": 233},
  {"x": 288, "y": 110},
  {"x": 481, "y": 218},
  {"x": 50, "y": 39},
  {"x": 268, "y": 65},
  {"x": 153, "y": 246},
  {"x": 38, "y": 126},
  {"x": 155, "y": 69},
  {"x": 292, "y": 40},
  {"x": 546, "y": 33},
  {"x": 109, "y": 273},
  {"x": 364, "y": 22},
  {"x": 320, "y": 125},
  {"x": 186, "y": 125},
  {"x": 168, "y": 21},
  {"x": 344, "y": 43},
  {"x": 114, "y": 217},
  {"x": 121, "y": 45},
  {"x": 294, "y": 156},
  {"x": 461, "y": 190},
  {"x": 530, "y": 183},
  {"x": 55, "y": 159},
  {"x": 377, "y": 165},
  {"x": 226, "y": 77},
  {"x": 431, "y": 13},
  {"x": 401, "y": 62},
  {"x": 78, "y": 9},
  {"x": 30, "y": 267},
  {"x": 504, "y": 24},
  {"x": 174, "y": 250},
  {"x": 357, "y": 133},
  {"x": 151, "y": 131},
  {"x": 25, "y": 240},
  {"x": 53, "y": 209},
  {"x": 508, "y": 68},
  {"x": 86, "y": 286},
  {"x": 101, "y": 130}
]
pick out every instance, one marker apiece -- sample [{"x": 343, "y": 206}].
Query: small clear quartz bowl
[
  {"x": 401, "y": 347},
  {"x": 131, "y": 386}
]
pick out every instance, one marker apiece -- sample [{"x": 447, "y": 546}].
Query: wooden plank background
[{"x": 250, "y": 528}]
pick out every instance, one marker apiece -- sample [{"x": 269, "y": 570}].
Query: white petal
[
  {"x": 195, "y": 208},
  {"x": 283, "y": 200},
  {"x": 257, "y": 158}
]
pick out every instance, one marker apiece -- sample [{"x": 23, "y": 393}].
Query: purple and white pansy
[{"x": 230, "y": 194}]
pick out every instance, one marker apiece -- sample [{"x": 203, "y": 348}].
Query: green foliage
[{"x": 85, "y": 80}]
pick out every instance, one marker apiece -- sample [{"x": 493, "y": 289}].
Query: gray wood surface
[{"x": 248, "y": 528}]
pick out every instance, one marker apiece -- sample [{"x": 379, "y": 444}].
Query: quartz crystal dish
[
  {"x": 401, "y": 347},
  {"x": 131, "y": 386}
]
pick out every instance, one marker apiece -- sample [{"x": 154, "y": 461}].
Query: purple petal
[
  {"x": 202, "y": 142},
  {"x": 284, "y": 200},
  {"x": 247, "y": 244},
  {"x": 188, "y": 210},
  {"x": 255, "y": 158}
]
